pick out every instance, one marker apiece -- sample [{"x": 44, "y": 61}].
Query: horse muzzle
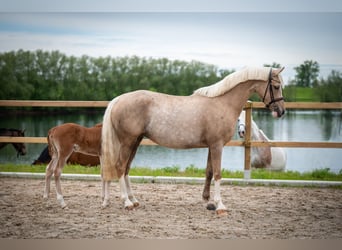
[
  {"x": 23, "y": 152},
  {"x": 278, "y": 113}
]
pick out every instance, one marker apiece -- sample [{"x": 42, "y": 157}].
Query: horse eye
[{"x": 276, "y": 87}]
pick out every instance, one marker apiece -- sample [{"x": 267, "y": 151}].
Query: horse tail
[
  {"x": 110, "y": 145},
  {"x": 51, "y": 148}
]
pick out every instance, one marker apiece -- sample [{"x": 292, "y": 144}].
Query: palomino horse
[
  {"x": 272, "y": 158},
  {"x": 205, "y": 119},
  {"x": 75, "y": 158},
  {"x": 19, "y": 147},
  {"x": 63, "y": 140}
]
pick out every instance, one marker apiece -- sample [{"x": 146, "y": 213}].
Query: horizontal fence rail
[
  {"x": 233, "y": 143},
  {"x": 247, "y": 143},
  {"x": 103, "y": 104}
]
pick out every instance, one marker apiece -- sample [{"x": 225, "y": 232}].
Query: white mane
[{"x": 230, "y": 81}]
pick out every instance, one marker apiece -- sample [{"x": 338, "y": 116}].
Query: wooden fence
[{"x": 247, "y": 143}]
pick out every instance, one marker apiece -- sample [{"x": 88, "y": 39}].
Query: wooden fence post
[{"x": 247, "y": 144}]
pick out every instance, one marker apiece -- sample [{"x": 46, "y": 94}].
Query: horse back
[{"x": 69, "y": 134}]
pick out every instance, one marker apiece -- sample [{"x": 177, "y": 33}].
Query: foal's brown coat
[{"x": 62, "y": 141}]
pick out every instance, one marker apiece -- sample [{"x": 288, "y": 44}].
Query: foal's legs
[
  {"x": 48, "y": 174},
  {"x": 49, "y": 170},
  {"x": 55, "y": 167},
  {"x": 58, "y": 171}
]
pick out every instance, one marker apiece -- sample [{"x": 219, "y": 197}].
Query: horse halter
[{"x": 269, "y": 85}]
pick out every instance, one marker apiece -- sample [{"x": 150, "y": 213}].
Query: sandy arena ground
[{"x": 168, "y": 211}]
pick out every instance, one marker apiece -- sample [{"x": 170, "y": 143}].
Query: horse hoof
[
  {"x": 136, "y": 204},
  {"x": 129, "y": 208},
  {"x": 211, "y": 206},
  {"x": 64, "y": 206},
  {"x": 104, "y": 205},
  {"x": 221, "y": 212}
]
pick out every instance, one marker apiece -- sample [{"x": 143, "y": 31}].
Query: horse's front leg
[
  {"x": 216, "y": 154},
  {"x": 208, "y": 178}
]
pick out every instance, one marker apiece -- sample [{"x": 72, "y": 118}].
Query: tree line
[
  {"x": 52, "y": 75},
  {"x": 43, "y": 75}
]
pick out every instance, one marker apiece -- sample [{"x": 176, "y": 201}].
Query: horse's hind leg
[
  {"x": 124, "y": 195},
  {"x": 48, "y": 174},
  {"x": 129, "y": 192},
  {"x": 126, "y": 156},
  {"x": 57, "y": 173},
  {"x": 105, "y": 193},
  {"x": 127, "y": 180}
]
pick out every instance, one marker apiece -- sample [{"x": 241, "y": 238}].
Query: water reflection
[{"x": 295, "y": 126}]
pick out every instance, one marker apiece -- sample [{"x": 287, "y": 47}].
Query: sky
[{"x": 227, "y": 39}]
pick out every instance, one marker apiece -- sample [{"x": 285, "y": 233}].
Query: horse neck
[
  {"x": 255, "y": 131},
  {"x": 263, "y": 136},
  {"x": 238, "y": 96},
  {"x": 11, "y": 132},
  {"x": 8, "y": 132}
]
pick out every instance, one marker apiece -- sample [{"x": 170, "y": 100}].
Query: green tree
[
  {"x": 330, "y": 89},
  {"x": 307, "y": 74},
  {"x": 54, "y": 76}
]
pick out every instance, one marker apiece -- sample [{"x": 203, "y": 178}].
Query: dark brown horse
[
  {"x": 63, "y": 140},
  {"x": 75, "y": 158},
  {"x": 19, "y": 147},
  {"x": 205, "y": 119}
]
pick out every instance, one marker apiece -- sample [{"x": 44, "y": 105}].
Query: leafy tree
[
  {"x": 54, "y": 76},
  {"x": 330, "y": 90},
  {"x": 307, "y": 74}
]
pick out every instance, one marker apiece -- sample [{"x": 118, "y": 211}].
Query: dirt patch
[{"x": 168, "y": 211}]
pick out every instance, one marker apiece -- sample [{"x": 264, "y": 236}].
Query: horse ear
[{"x": 278, "y": 70}]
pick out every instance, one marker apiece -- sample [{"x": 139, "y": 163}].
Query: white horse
[{"x": 272, "y": 158}]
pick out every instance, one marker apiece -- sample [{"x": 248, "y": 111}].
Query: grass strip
[{"x": 190, "y": 171}]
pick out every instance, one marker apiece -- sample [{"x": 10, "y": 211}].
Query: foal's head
[{"x": 271, "y": 93}]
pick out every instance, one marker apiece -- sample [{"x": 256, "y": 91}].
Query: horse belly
[
  {"x": 179, "y": 131},
  {"x": 278, "y": 159},
  {"x": 176, "y": 137}
]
